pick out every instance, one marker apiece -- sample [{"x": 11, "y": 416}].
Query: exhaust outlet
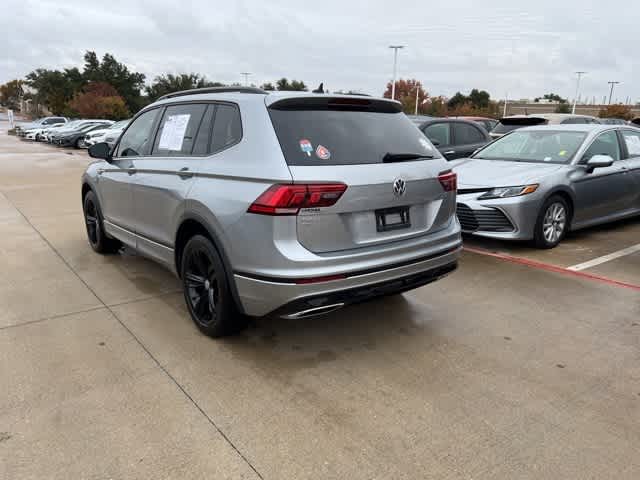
[{"x": 313, "y": 312}]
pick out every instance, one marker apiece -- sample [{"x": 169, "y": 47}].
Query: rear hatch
[
  {"x": 508, "y": 124},
  {"x": 365, "y": 144}
]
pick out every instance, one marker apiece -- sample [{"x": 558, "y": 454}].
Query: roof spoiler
[
  {"x": 362, "y": 104},
  {"x": 529, "y": 120}
]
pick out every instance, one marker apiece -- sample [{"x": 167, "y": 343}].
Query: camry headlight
[{"x": 506, "y": 192}]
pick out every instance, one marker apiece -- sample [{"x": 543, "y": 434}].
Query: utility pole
[
  {"x": 246, "y": 77},
  {"x": 506, "y": 99},
  {"x": 417, "y": 92},
  {"x": 575, "y": 99},
  {"x": 613, "y": 84},
  {"x": 395, "y": 66}
]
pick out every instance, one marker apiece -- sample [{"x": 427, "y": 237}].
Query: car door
[
  {"x": 631, "y": 147},
  {"x": 467, "y": 138},
  {"x": 605, "y": 192},
  {"x": 439, "y": 133},
  {"x": 115, "y": 178},
  {"x": 163, "y": 179}
]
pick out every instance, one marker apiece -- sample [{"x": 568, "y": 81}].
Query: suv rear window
[
  {"x": 507, "y": 125},
  {"x": 345, "y": 136}
]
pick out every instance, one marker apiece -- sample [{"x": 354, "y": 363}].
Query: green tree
[
  {"x": 457, "y": 100},
  {"x": 479, "y": 98},
  {"x": 169, "y": 83},
  {"x": 54, "y": 88},
  {"x": 10, "y": 93},
  {"x": 295, "y": 85},
  {"x": 551, "y": 97},
  {"x": 267, "y": 86},
  {"x": 128, "y": 84}
]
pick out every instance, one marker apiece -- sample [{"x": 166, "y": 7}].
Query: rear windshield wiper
[{"x": 403, "y": 157}]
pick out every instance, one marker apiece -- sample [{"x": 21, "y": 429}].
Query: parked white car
[
  {"x": 38, "y": 134},
  {"x": 109, "y": 135}
]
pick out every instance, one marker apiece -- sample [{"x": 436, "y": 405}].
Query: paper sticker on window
[
  {"x": 563, "y": 153},
  {"x": 173, "y": 132},
  {"x": 323, "y": 153},
  {"x": 633, "y": 143},
  {"x": 306, "y": 147}
]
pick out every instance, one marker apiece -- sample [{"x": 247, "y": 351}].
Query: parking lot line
[
  {"x": 605, "y": 258},
  {"x": 552, "y": 268}
]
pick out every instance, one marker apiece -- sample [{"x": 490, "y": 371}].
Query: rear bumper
[{"x": 261, "y": 296}]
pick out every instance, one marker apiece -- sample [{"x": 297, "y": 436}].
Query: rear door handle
[
  {"x": 450, "y": 152},
  {"x": 185, "y": 173},
  {"x": 131, "y": 171}
]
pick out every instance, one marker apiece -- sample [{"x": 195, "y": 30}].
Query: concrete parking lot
[{"x": 508, "y": 369}]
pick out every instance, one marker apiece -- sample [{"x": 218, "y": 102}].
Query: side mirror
[
  {"x": 100, "y": 150},
  {"x": 599, "y": 161},
  {"x": 435, "y": 142}
]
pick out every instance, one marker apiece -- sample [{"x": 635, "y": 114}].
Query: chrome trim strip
[
  {"x": 312, "y": 312},
  {"x": 135, "y": 235}
]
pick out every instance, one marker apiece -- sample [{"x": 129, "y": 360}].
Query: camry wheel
[
  {"x": 95, "y": 231},
  {"x": 206, "y": 289},
  {"x": 552, "y": 224}
]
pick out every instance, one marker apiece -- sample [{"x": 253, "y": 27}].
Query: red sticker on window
[{"x": 323, "y": 153}]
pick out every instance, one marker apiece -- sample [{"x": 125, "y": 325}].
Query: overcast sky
[{"x": 499, "y": 45}]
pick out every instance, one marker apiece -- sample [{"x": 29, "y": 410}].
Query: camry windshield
[{"x": 534, "y": 146}]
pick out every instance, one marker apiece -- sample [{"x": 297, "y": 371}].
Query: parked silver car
[
  {"x": 288, "y": 203},
  {"x": 540, "y": 182}
]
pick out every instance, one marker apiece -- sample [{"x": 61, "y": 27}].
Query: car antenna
[{"x": 320, "y": 88}]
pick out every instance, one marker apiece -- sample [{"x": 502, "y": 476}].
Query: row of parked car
[
  {"x": 299, "y": 203},
  {"x": 79, "y": 133},
  {"x": 459, "y": 137}
]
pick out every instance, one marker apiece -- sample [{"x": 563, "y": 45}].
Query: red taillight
[
  {"x": 449, "y": 181},
  {"x": 289, "y": 199}
]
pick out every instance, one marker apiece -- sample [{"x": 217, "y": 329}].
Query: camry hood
[{"x": 498, "y": 173}]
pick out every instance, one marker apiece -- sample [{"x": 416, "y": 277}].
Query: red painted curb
[{"x": 552, "y": 268}]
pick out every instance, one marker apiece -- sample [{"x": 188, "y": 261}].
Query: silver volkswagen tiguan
[{"x": 292, "y": 204}]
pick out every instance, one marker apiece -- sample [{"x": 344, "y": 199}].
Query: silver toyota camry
[{"x": 537, "y": 183}]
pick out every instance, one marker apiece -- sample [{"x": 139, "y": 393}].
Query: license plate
[{"x": 392, "y": 219}]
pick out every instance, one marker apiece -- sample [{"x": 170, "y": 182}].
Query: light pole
[
  {"x": 613, "y": 84},
  {"x": 246, "y": 77},
  {"x": 417, "y": 92},
  {"x": 575, "y": 99},
  {"x": 395, "y": 65}
]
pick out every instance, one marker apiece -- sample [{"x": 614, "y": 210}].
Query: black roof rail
[{"x": 196, "y": 91}]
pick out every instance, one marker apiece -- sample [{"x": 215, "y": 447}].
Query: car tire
[
  {"x": 76, "y": 144},
  {"x": 37, "y": 137},
  {"x": 552, "y": 223},
  {"x": 93, "y": 220},
  {"x": 206, "y": 288}
]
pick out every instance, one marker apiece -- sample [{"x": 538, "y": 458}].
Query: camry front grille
[{"x": 492, "y": 220}]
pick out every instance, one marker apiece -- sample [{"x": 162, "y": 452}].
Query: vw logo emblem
[{"x": 399, "y": 187}]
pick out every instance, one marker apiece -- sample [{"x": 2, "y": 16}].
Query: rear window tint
[
  {"x": 345, "y": 137},
  {"x": 467, "y": 134},
  {"x": 227, "y": 127}
]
